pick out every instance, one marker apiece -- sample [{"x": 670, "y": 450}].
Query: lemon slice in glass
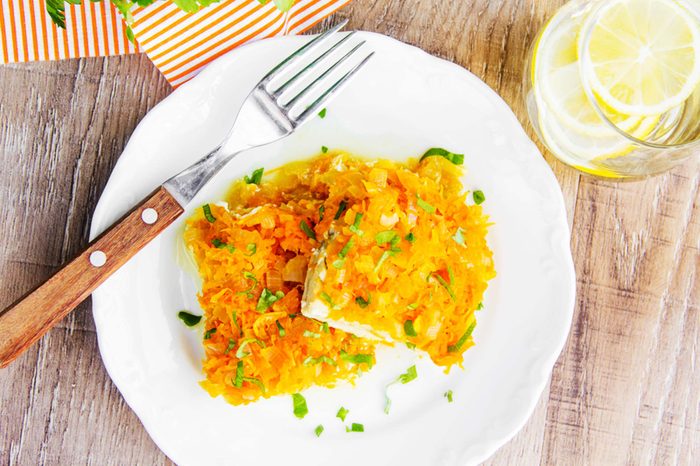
[{"x": 641, "y": 57}]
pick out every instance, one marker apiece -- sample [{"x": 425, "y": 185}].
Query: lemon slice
[
  {"x": 643, "y": 56},
  {"x": 556, "y": 77}
]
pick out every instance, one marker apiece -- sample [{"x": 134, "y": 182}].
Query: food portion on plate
[{"x": 305, "y": 271}]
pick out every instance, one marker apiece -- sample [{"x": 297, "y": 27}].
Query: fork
[{"x": 267, "y": 115}]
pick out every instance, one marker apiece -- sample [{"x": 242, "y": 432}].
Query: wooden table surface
[{"x": 626, "y": 389}]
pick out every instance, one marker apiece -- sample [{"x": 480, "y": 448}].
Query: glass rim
[{"x": 585, "y": 65}]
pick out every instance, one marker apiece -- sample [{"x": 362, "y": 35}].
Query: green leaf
[
  {"x": 318, "y": 430},
  {"x": 188, "y": 6},
  {"x": 238, "y": 381},
  {"x": 299, "y": 403},
  {"x": 459, "y": 239},
  {"x": 445, "y": 285},
  {"x": 322, "y": 113},
  {"x": 252, "y": 248},
  {"x": 408, "y": 376},
  {"x": 231, "y": 345},
  {"x": 410, "y": 345},
  {"x": 313, "y": 361},
  {"x": 341, "y": 208},
  {"x": 255, "y": 177},
  {"x": 355, "y": 427},
  {"x": 478, "y": 196},
  {"x": 409, "y": 329},
  {"x": 209, "y": 333},
  {"x": 267, "y": 299},
  {"x": 411, "y": 238},
  {"x": 284, "y": 5},
  {"x": 425, "y": 206},
  {"x": 462, "y": 340},
  {"x": 242, "y": 353},
  {"x": 255, "y": 381},
  {"x": 457, "y": 159},
  {"x": 362, "y": 302},
  {"x": 207, "y": 213},
  {"x": 480, "y": 306},
  {"x": 324, "y": 327},
  {"x": 388, "y": 236},
  {"x": 307, "y": 229},
  {"x": 357, "y": 358},
  {"x": 342, "y": 413},
  {"x": 57, "y": 12},
  {"x": 355, "y": 227},
  {"x": 280, "y": 329},
  {"x": 189, "y": 319},
  {"x": 448, "y": 395},
  {"x": 217, "y": 243}
]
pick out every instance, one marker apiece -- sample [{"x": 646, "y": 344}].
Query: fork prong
[
  {"x": 305, "y": 71},
  {"x": 329, "y": 93},
  {"x": 301, "y": 52},
  {"x": 305, "y": 92}
]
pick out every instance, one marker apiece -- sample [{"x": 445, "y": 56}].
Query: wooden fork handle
[{"x": 28, "y": 319}]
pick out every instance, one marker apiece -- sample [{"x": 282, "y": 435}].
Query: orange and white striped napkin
[{"x": 179, "y": 43}]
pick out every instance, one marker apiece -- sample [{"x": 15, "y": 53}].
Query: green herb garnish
[
  {"x": 388, "y": 236},
  {"x": 341, "y": 208},
  {"x": 346, "y": 249},
  {"x": 478, "y": 197},
  {"x": 342, "y": 412},
  {"x": 238, "y": 381},
  {"x": 410, "y": 374},
  {"x": 409, "y": 329},
  {"x": 411, "y": 238},
  {"x": 249, "y": 292},
  {"x": 324, "y": 327},
  {"x": 241, "y": 352},
  {"x": 318, "y": 430},
  {"x": 355, "y": 227},
  {"x": 231, "y": 345},
  {"x": 189, "y": 319},
  {"x": 448, "y": 395},
  {"x": 313, "y": 361},
  {"x": 235, "y": 322},
  {"x": 357, "y": 358},
  {"x": 459, "y": 239},
  {"x": 255, "y": 177},
  {"x": 321, "y": 212},
  {"x": 207, "y": 213},
  {"x": 480, "y": 306},
  {"x": 457, "y": 159},
  {"x": 252, "y": 249},
  {"x": 322, "y": 113},
  {"x": 355, "y": 427},
  {"x": 307, "y": 229},
  {"x": 255, "y": 381},
  {"x": 310, "y": 334},
  {"x": 326, "y": 297},
  {"x": 445, "y": 285},
  {"x": 462, "y": 340},
  {"x": 410, "y": 345},
  {"x": 209, "y": 333},
  {"x": 267, "y": 299},
  {"x": 280, "y": 329},
  {"x": 299, "y": 403},
  {"x": 425, "y": 206},
  {"x": 362, "y": 302},
  {"x": 324, "y": 150},
  {"x": 412, "y": 306}
]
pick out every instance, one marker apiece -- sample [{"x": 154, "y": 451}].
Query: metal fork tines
[{"x": 284, "y": 99}]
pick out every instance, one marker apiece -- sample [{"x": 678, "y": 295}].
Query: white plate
[{"x": 404, "y": 102}]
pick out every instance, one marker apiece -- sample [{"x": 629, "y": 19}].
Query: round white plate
[{"x": 404, "y": 102}]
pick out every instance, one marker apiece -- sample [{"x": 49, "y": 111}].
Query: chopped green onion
[
  {"x": 249, "y": 292},
  {"x": 267, "y": 299},
  {"x": 388, "y": 236},
  {"x": 451, "y": 275},
  {"x": 189, "y": 319},
  {"x": 459, "y": 239},
  {"x": 357, "y": 358},
  {"x": 411, "y": 238},
  {"x": 342, "y": 412},
  {"x": 410, "y": 374},
  {"x": 310, "y": 334},
  {"x": 322, "y": 113},
  {"x": 480, "y": 306},
  {"x": 318, "y": 430},
  {"x": 462, "y": 340},
  {"x": 445, "y": 285},
  {"x": 255, "y": 381},
  {"x": 425, "y": 206},
  {"x": 231, "y": 345},
  {"x": 478, "y": 196},
  {"x": 324, "y": 150},
  {"x": 324, "y": 327},
  {"x": 362, "y": 302},
  {"x": 209, "y": 333},
  {"x": 346, "y": 248},
  {"x": 355, "y": 227},
  {"x": 412, "y": 306},
  {"x": 313, "y": 361},
  {"x": 207, "y": 213},
  {"x": 242, "y": 353},
  {"x": 299, "y": 403},
  {"x": 410, "y": 345},
  {"x": 448, "y": 395},
  {"x": 217, "y": 243},
  {"x": 339, "y": 263},
  {"x": 457, "y": 159},
  {"x": 238, "y": 382},
  {"x": 307, "y": 229},
  {"x": 235, "y": 322},
  {"x": 280, "y": 329},
  {"x": 321, "y": 212},
  {"x": 385, "y": 255},
  {"x": 341, "y": 208},
  {"x": 355, "y": 427},
  {"x": 326, "y": 297},
  {"x": 409, "y": 329},
  {"x": 252, "y": 248},
  {"x": 255, "y": 177}
]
